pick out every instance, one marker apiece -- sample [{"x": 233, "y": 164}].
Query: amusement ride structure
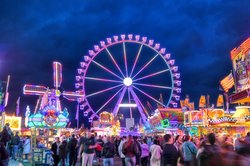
[
  {"x": 127, "y": 71},
  {"x": 50, "y": 105}
]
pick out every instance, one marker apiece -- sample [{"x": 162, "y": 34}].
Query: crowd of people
[
  {"x": 13, "y": 146},
  {"x": 168, "y": 150}
]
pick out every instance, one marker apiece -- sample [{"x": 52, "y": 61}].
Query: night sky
[{"x": 198, "y": 34}]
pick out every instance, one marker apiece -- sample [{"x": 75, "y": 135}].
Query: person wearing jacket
[
  {"x": 14, "y": 143},
  {"x": 63, "y": 152},
  {"x": 145, "y": 153},
  {"x": 156, "y": 152},
  {"x": 55, "y": 151},
  {"x": 130, "y": 150},
  {"x": 189, "y": 151},
  {"x": 4, "y": 155},
  {"x": 26, "y": 148},
  {"x": 122, "y": 156},
  {"x": 170, "y": 152},
  {"x": 108, "y": 153}
]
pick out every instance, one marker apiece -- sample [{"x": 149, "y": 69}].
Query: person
[
  {"x": 98, "y": 149},
  {"x": 122, "y": 156},
  {"x": 209, "y": 153},
  {"x": 130, "y": 150},
  {"x": 72, "y": 147},
  {"x": 170, "y": 152},
  {"x": 6, "y": 135},
  {"x": 26, "y": 148},
  {"x": 138, "y": 155},
  {"x": 4, "y": 155},
  {"x": 63, "y": 152},
  {"x": 108, "y": 153},
  {"x": 55, "y": 151},
  {"x": 87, "y": 150},
  {"x": 145, "y": 153},
  {"x": 14, "y": 143},
  {"x": 247, "y": 139},
  {"x": 189, "y": 151},
  {"x": 156, "y": 152}
]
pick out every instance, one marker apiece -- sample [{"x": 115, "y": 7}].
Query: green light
[{"x": 165, "y": 123}]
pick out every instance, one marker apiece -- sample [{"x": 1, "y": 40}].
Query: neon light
[
  {"x": 136, "y": 59},
  {"x": 127, "y": 81},
  {"x": 150, "y": 61},
  {"x": 98, "y": 64},
  {"x": 152, "y": 74},
  {"x": 114, "y": 61},
  {"x": 127, "y": 105}
]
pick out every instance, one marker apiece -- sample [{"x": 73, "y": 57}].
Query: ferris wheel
[{"x": 127, "y": 73}]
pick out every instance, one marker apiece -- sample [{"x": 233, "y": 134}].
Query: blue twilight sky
[{"x": 198, "y": 34}]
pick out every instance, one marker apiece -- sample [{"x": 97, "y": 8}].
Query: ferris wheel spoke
[
  {"x": 146, "y": 65},
  {"x": 106, "y": 69},
  {"x": 153, "y": 86},
  {"x": 115, "y": 111},
  {"x": 104, "y": 90},
  {"x": 139, "y": 104},
  {"x": 102, "y": 79},
  {"x": 136, "y": 59},
  {"x": 114, "y": 61},
  {"x": 111, "y": 98},
  {"x": 149, "y": 96},
  {"x": 129, "y": 100},
  {"x": 125, "y": 59},
  {"x": 151, "y": 75}
]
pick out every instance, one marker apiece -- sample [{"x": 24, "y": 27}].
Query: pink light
[
  {"x": 111, "y": 98},
  {"x": 125, "y": 59},
  {"x": 149, "y": 62},
  {"x": 163, "y": 50},
  {"x": 96, "y": 48},
  {"x": 102, "y": 79},
  {"x": 154, "y": 86},
  {"x": 116, "y": 38},
  {"x": 102, "y": 43},
  {"x": 123, "y": 36},
  {"x": 102, "y": 91},
  {"x": 98, "y": 64},
  {"x": 57, "y": 67},
  {"x": 151, "y": 75},
  {"x": 144, "y": 39},
  {"x": 171, "y": 62},
  {"x": 114, "y": 61},
  {"x": 157, "y": 46},
  {"x": 149, "y": 96},
  {"x": 136, "y": 59},
  {"x": 150, "y": 42},
  {"x": 86, "y": 58},
  {"x": 109, "y": 40},
  {"x": 130, "y": 36},
  {"x": 137, "y": 37},
  {"x": 167, "y": 56},
  {"x": 91, "y": 53}
]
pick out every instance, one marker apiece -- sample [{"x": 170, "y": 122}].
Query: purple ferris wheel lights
[
  {"x": 123, "y": 37},
  {"x": 177, "y": 82},
  {"x": 150, "y": 42},
  {"x": 102, "y": 43},
  {"x": 167, "y": 56},
  {"x": 116, "y": 38},
  {"x": 162, "y": 51},
  {"x": 157, "y": 46},
  {"x": 96, "y": 48},
  {"x": 144, "y": 39},
  {"x": 137, "y": 37},
  {"x": 174, "y": 68},
  {"x": 130, "y": 36},
  {"x": 109, "y": 40}
]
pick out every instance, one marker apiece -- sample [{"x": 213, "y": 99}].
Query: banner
[
  {"x": 220, "y": 101},
  {"x": 202, "y": 102}
]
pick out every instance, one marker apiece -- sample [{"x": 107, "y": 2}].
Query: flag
[
  {"x": 202, "y": 102},
  {"x": 227, "y": 82},
  {"x": 17, "y": 106},
  {"x": 77, "y": 112},
  {"x": 220, "y": 101}
]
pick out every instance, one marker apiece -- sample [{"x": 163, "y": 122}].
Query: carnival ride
[
  {"x": 50, "y": 113},
  {"x": 127, "y": 71}
]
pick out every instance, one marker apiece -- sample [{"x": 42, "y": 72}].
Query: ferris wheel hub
[{"x": 127, "y": 81}]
